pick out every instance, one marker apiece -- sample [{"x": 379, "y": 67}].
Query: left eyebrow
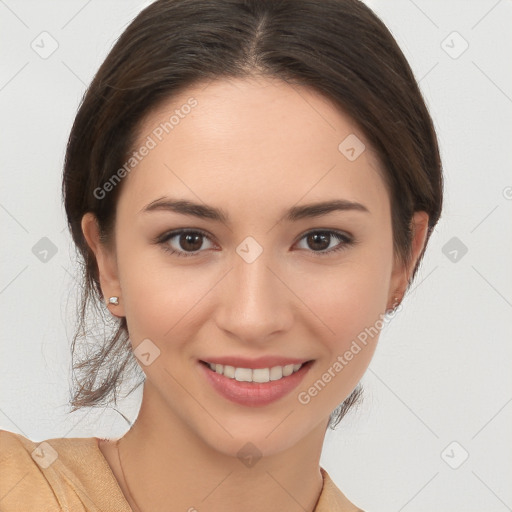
[
  {"x": 293, "y": 214},
  {"x": 323, "y": 208}
]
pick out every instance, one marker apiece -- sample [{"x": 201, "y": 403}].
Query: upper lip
[{"x": 260, "y": 362}]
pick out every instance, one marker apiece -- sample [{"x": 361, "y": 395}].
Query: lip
[
  {"x": 254, "y": 394},
  {"x": 259, "y": 362}
]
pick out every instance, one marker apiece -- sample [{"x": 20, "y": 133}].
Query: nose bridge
[{"x": 253, "y": 303}]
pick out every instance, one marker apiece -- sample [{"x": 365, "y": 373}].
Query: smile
[
  {"x": 259, "y": 375},
  {"x": 257, "y": 386}
]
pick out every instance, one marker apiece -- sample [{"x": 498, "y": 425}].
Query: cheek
[
  {"x": 351, "y": 309},
  {"x": 350, "y": 302},
  {"x": 159, "y": 296},
  {"x": 347, "y": 298}
]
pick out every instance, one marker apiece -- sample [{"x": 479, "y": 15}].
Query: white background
[{"x": 441, "y": 373}]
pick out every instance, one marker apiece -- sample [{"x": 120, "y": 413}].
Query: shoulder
[
  {"x": 54, "y": 475},
  {"x": 332, "y": 499},
  {"x": 20, "y": 474}
]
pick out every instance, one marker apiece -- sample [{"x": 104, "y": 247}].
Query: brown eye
[
  {"x": 321, "y": 242},
  {"x": 318, "y": 241},
  {"x": 190, "y": 242},
  {"x": 184, "y": 243}
]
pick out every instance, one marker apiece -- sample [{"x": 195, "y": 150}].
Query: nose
[{"x": 254, "y": 303}]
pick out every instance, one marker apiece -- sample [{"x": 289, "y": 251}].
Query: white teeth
[
  {"x": 259, "y": 375},
  {"x": 243, "y": 374},
  {"x": 287, "y": 370},
  {"x": 276, "y": 373},
  {"x": 229, "y": 371}
]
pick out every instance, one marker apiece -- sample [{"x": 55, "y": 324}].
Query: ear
[
  {"x": 106, "y": 261},
  {"x": 402, "y": 272}
]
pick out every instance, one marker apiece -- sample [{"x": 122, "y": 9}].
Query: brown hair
[{"x": 340, "y": 48}]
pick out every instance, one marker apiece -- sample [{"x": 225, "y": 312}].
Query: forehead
[{"x": 251, "y": 140}]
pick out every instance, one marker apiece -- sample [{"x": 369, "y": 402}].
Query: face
[{"x": 255, "y": 276}]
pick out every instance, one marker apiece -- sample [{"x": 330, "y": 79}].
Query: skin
[{"x": 253, "y": 147}]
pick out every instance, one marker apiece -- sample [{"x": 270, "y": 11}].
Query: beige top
[{"x": 71, "y": 474}]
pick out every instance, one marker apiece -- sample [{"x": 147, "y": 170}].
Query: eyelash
[{"x": 342, "y": 237}]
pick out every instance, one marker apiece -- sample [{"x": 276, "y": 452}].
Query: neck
[{"x": 165, "y": 462}]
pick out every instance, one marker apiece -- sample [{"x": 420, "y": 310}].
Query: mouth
[
  {"x": 257, "y": 375},
  {"x": 257, "y": 386}
]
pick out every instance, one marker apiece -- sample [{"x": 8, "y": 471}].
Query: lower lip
[{"x": 251, "y": 393}]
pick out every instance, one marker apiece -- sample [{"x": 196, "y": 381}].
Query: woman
[{"x": 251, "y": 185}]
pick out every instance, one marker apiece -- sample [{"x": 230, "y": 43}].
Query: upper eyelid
[{"x": 175, "y": 232}]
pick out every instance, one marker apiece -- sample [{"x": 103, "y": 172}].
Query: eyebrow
[{"x": 294, "y": 214}]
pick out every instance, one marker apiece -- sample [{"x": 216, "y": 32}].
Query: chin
[{"x": 254, "y": 441}]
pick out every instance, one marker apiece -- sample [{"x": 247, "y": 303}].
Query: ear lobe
[{"x": 106, "y": 262}]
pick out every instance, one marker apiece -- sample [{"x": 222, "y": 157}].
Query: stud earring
[
  {"x": 396, "y": 303},
  {"x": 114, "y": 301}
]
